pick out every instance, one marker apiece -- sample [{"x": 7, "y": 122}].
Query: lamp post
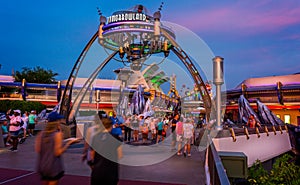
[
  {"x": 97, "y": 99},
  {"x": 123, "y": 75},
  {"x": 218, "y": 81}
]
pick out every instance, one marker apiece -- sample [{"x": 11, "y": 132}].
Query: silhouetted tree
[{"x": 36, "y": 75}]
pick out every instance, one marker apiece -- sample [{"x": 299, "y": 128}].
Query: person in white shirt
[
  {"x": 24, "y": 127},
  {"x": 188, "y": 134}
]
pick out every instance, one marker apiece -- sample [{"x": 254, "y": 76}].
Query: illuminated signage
[{"x": 126, "y": 17}]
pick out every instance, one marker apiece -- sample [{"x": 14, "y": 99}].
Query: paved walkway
[{"x": 155, "y": 164}]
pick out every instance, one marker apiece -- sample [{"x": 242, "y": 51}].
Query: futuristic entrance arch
[{"x": 134, "y": 36}]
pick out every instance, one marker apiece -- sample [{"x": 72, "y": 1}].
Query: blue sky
[{"x": 256, "y": 37}]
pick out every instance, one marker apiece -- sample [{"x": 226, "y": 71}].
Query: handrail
[{"x": 217, "y": 173}]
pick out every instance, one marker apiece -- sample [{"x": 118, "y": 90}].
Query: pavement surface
[{"x": 149, "y": 165}]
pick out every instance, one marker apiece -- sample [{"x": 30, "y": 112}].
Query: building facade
[{"x": 281, "y": 94}]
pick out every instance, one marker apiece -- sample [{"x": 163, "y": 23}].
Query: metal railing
[{"x": 216, "y": 174}]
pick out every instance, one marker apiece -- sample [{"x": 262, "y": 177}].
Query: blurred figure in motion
[
  {"x": 49, "y": 147},
  {"x": 107, "y": 150}
]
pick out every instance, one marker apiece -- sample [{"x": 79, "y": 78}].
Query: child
[
  {"x": 160, "y": 128},
  {"x": 145, "y": 132},
  {"x": 135, "y": 127},
  {"x": 5, "y": 133},
  {"x": 164, "y": 132},
  {"x": 153, "y": 128}
]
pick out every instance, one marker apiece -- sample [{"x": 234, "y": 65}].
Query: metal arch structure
[
  {"x": 79, "y": 98},
  {"x": 65, "y": 101},
  {"x": 108, "y": 40},
  {"x": 207, "y": 101}
]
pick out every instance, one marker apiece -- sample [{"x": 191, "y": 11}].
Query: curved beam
[
  {"x": 185, "y": 59},
  {"x": 65, "y": 101},
  {"x": 87, "y": 85}
]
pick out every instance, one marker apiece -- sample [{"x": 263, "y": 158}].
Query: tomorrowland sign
[{"x": 129, "y": 16}]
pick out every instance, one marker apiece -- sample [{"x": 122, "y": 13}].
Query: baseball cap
[
  {"x": 54, "y": 116},
  {"x": 18, "y": 111}
]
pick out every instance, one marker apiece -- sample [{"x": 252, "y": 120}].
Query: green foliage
[
  {"x": 284, "y": 172},
  {"x": 36, "y": 75},
  {"x": 21, "y": 105},
  {"x": 257, "y": 174}
]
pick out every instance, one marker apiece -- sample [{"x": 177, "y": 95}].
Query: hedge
[{"x": 21, "y": 105}]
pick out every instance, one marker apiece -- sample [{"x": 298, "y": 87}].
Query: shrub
[
  {"x": 283, "y": 172},
  {"x": 21, "y": 105}
]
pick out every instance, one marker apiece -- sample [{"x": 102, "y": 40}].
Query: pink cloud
[{"x": 246, "y": 18}]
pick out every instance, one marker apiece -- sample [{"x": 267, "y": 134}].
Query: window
[{"x": 287, "y": 119}]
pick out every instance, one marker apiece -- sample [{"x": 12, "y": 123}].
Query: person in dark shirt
[
  {"x": 107, "y": 152},
  {"x": 49, "y": 146},
  {"x": 173, "y": 127}
]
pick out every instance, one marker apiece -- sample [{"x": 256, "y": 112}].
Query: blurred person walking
[
  {"x": 49, "y": 147},
  {"x": 173, "y": 128},
  {"x": 179, "y": 135},
  {"x": 188, "y": 134},
  {"x": 107, "y": 150}
]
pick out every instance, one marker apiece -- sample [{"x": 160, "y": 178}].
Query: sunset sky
[{"x": 256, "y": 37}]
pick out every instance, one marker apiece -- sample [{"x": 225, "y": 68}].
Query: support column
[{"x": 218, "y": 81}]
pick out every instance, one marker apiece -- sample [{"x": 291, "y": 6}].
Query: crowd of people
[
  {"x": 143, "y": 129},
  {"x": 17, "y": 127},
  {"x": 103, "y": 141},
  {"x": 140, "y": 129}
]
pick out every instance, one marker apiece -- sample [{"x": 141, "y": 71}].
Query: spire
[
  {"x": 160, "y": 7},
  {"x": 99, "y": 11}
]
